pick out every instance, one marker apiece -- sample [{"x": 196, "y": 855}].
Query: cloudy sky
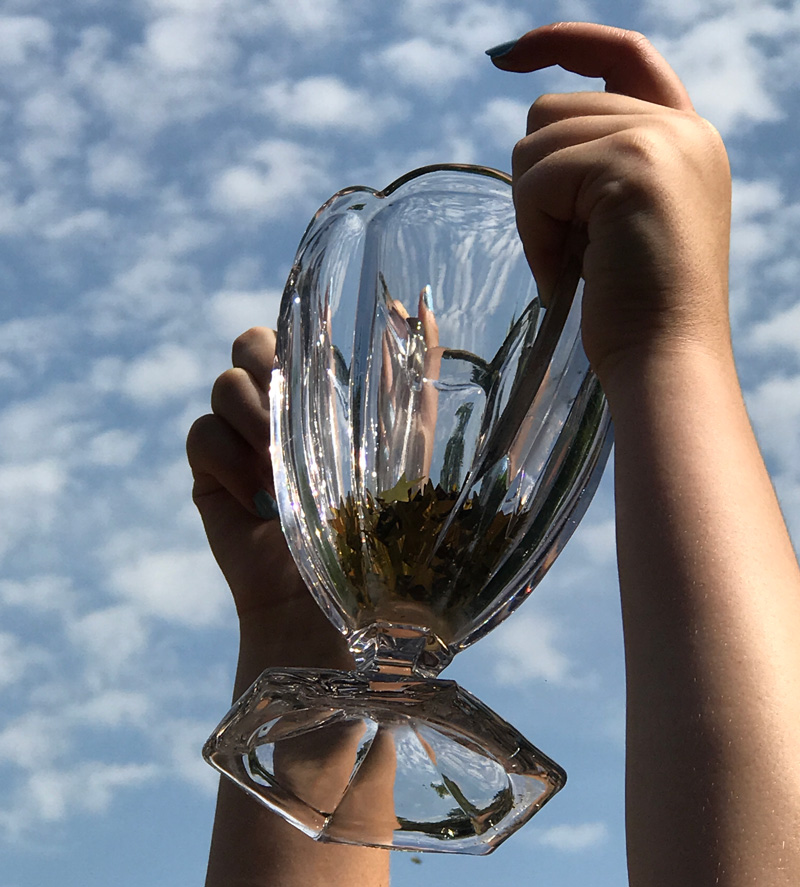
[{"x": 159, "y": 162}]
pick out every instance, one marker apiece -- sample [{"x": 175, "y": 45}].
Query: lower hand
[{"x": 228, "y": 452}]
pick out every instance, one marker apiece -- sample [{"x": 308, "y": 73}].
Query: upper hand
[{"x": 648, "y": 178}]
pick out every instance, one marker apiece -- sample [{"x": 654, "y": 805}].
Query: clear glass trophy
[{"x": 437, "y": 435}]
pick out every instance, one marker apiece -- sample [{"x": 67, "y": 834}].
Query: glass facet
[
  {"x": 437, "y": 435},
  {"x": 408, "y": 764}
]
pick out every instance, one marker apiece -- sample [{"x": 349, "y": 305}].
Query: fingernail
[
  {"x": 427, "y": 297},
  {"x": 266, "y": 506},
  {"x": 501, "y": 49}
]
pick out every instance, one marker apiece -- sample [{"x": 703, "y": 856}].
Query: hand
[
  {"x": 647, "y": 176},
  {"x": 229, "y": 455}
]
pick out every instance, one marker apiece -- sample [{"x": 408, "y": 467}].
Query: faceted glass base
[{"x": 393, "y": 762}]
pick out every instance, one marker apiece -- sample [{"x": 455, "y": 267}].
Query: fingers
[
  {"x": 224, "y": 464},
  {"x": 229, "y": 450},
  {"x": 238, "y": 400},
  {"x": 554, "y": 107},
  {"x": 254, "y": 351},
  {"x": 241, "y": 394},
  {"x": 626, "y": 60},
  {"x": 567, "y": 133}
]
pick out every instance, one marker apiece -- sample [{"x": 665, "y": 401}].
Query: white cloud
[
  {"x": 189, "y": 42},
  {"x": 274, "y": 173},
  {"x": 29, "y": 500},
  {"x": 167, "y": 372},
  {"x": 110, "y": 639},
  {"x": 755, "y": 197},
  {"x": 153, "y": 288},
  {"x": 28, "y": 345},
  {"x": 573, "y": 838},
  {"x": 755, "y": 205},
  {"x": 181, "y": 586},
  {"x": 418, "y": 62},
  {"x": 154, "y": 85},
  {"x": 21, "y": 36},
  {"x": 525, "y": 649},
  {"x": 54, "y": 123},
  {"x": 774, "y": 407},
  {"x": 312, "y": 17},
  {"x": 87, "y": 223},
  {"x": 114, "y": 447},
  {"x": 160, "y": 491},
  {"x": 29, "y": 214},
  {"x": 110, "y": 708},
  {"x": 39, "y": 593},
  {"x": 687, "y": 11},
  {"x": 329, "y": 103},
  {"x": 724, "y": 67},
  {"x": 301, "y": 18},
  {"x": 764, "y": 262},
  {"x": 16, "y": 658},
  {"x": 30, "y": 739},
  {"x": 183, "y": 739},
  {"x": 599, "y": 541},
  {"x": 472, "y": 27},
  {"x": 54, "y": 111},
  {"x": 194, "y": 7},
  {"x": 448, "y": 42},
  {"x": 116, "y": 169},
  {"x": 49, "y": 425},
  {"x": 504, "y": 121},
  {"x": 780, "y": 331},
  {"x": 231, "y": 312},
  {"x": 50, "y": 795}
]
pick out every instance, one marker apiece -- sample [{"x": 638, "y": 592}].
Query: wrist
[
  {"x": 292, "y": 634},
  {"x": 632, "y": 378}
]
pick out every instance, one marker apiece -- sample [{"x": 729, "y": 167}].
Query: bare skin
[{"x": 709, "y": 581}]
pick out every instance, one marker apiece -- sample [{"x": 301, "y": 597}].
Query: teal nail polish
[
  {"x": 427, "y": 297},
  {"x": 501, "y": 49},
  {"x": 266, "y": 506}
]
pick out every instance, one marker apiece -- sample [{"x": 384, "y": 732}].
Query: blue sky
[{"x": 158, "y": 164}]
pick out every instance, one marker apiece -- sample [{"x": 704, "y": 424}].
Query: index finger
[{"x": 626, "y": 60}]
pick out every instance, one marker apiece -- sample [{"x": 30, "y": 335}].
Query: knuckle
[
  {"x": 228, "y": 384},
  {"x": 636, "y": 43},
  {"x": 647, "y": 146},
  {"x": 518, "y": 154},
  {"x": 251, "y": 334},
  {"x": 637, "y": 40},
  {"x": 544, "y": 110},
  {"x": 255, "y": 350},
  {"x": 523, "y": 157},
  {"x": 201, "y": 431},
  {"x": 247, "y": 339},
  {"x": 711, "y": 135}
]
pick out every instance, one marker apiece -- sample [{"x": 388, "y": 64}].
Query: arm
[
  {"x": 279, "y": 623},
  {"x": 709, "y": 581},
  {"x": 711, "y": 612}
]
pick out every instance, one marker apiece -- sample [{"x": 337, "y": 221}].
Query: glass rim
[{"x": 470, "y": 168}]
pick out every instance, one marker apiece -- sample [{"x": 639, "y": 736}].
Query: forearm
[
  {"x": 252, "y": 847},
  {"x": 711, "y": 612}
]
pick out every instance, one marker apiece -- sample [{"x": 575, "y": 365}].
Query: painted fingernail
[
  {"x": 427, "y": 297},
  {"x": 266, "y": 506},
  {"x": 501, "y": 49}
]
